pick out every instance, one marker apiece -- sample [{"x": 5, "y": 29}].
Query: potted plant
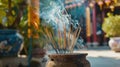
[
  {"x": 10, "y": 19},
  {"x": 111, "y": 27}
]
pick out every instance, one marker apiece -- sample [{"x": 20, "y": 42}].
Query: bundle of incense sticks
[{"x": 64, "y": 41}]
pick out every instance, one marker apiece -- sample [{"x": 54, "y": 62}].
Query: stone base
[
  {"x": 22, "y": 62},
  {"x": 13, "y": 62},
  {"x": 38, "y": 62},
  {"x": 95, "y": 44},
  {"x": 88, "y": 44}
]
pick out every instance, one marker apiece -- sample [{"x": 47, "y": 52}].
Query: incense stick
[
  {"x": 65, "y": 37},
  {"x": 65, "y": 41},
  {"x": 69, "y": 37},
  {"x": 75, "y": 38},
  {"x": 53, "y": 45},
  {"x": 62, "y": 43}
]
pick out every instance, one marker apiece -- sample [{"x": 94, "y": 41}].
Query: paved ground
[{"x": 102, "y": 57}]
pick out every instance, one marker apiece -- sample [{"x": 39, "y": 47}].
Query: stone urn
[
  {"x": 10, "y": 43},
  {"x": 68, "y": 60},
  {"x": 114, "y": 44}
]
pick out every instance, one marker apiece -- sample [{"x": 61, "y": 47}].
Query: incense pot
[{"x": 68, "y": 60}]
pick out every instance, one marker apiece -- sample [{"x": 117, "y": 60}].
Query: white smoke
[{"x": 54, "y": 14}]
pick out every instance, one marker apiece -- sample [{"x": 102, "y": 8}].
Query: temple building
[{"x": 90, "y": 14}]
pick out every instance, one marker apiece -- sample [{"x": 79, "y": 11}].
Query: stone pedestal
[{"x": 13, "y": 61}]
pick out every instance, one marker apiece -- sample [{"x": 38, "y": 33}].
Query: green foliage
[
  {"x": 9, "y": 12},
  {"x": 37, "y": 42},
  {"x": 111, "y": 25}
]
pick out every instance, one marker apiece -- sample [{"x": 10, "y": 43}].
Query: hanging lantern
[
  {"x": 100, "y": 3},
  {"x": 115, "y": 1},
  {"x": 74, "y": 5},
  {"x": 91, "y": 5},
  {"x": 112, "y": 8},
  {"x": 107, "y": 2},
  {"x": 67, "y": 7},
  {"x": 70, "y": 6},
  {"x": 79, "y": 4},
  {"x": 82, "y": 1}
]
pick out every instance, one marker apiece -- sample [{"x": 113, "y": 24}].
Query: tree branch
[{"x": 21, "y": 8}]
